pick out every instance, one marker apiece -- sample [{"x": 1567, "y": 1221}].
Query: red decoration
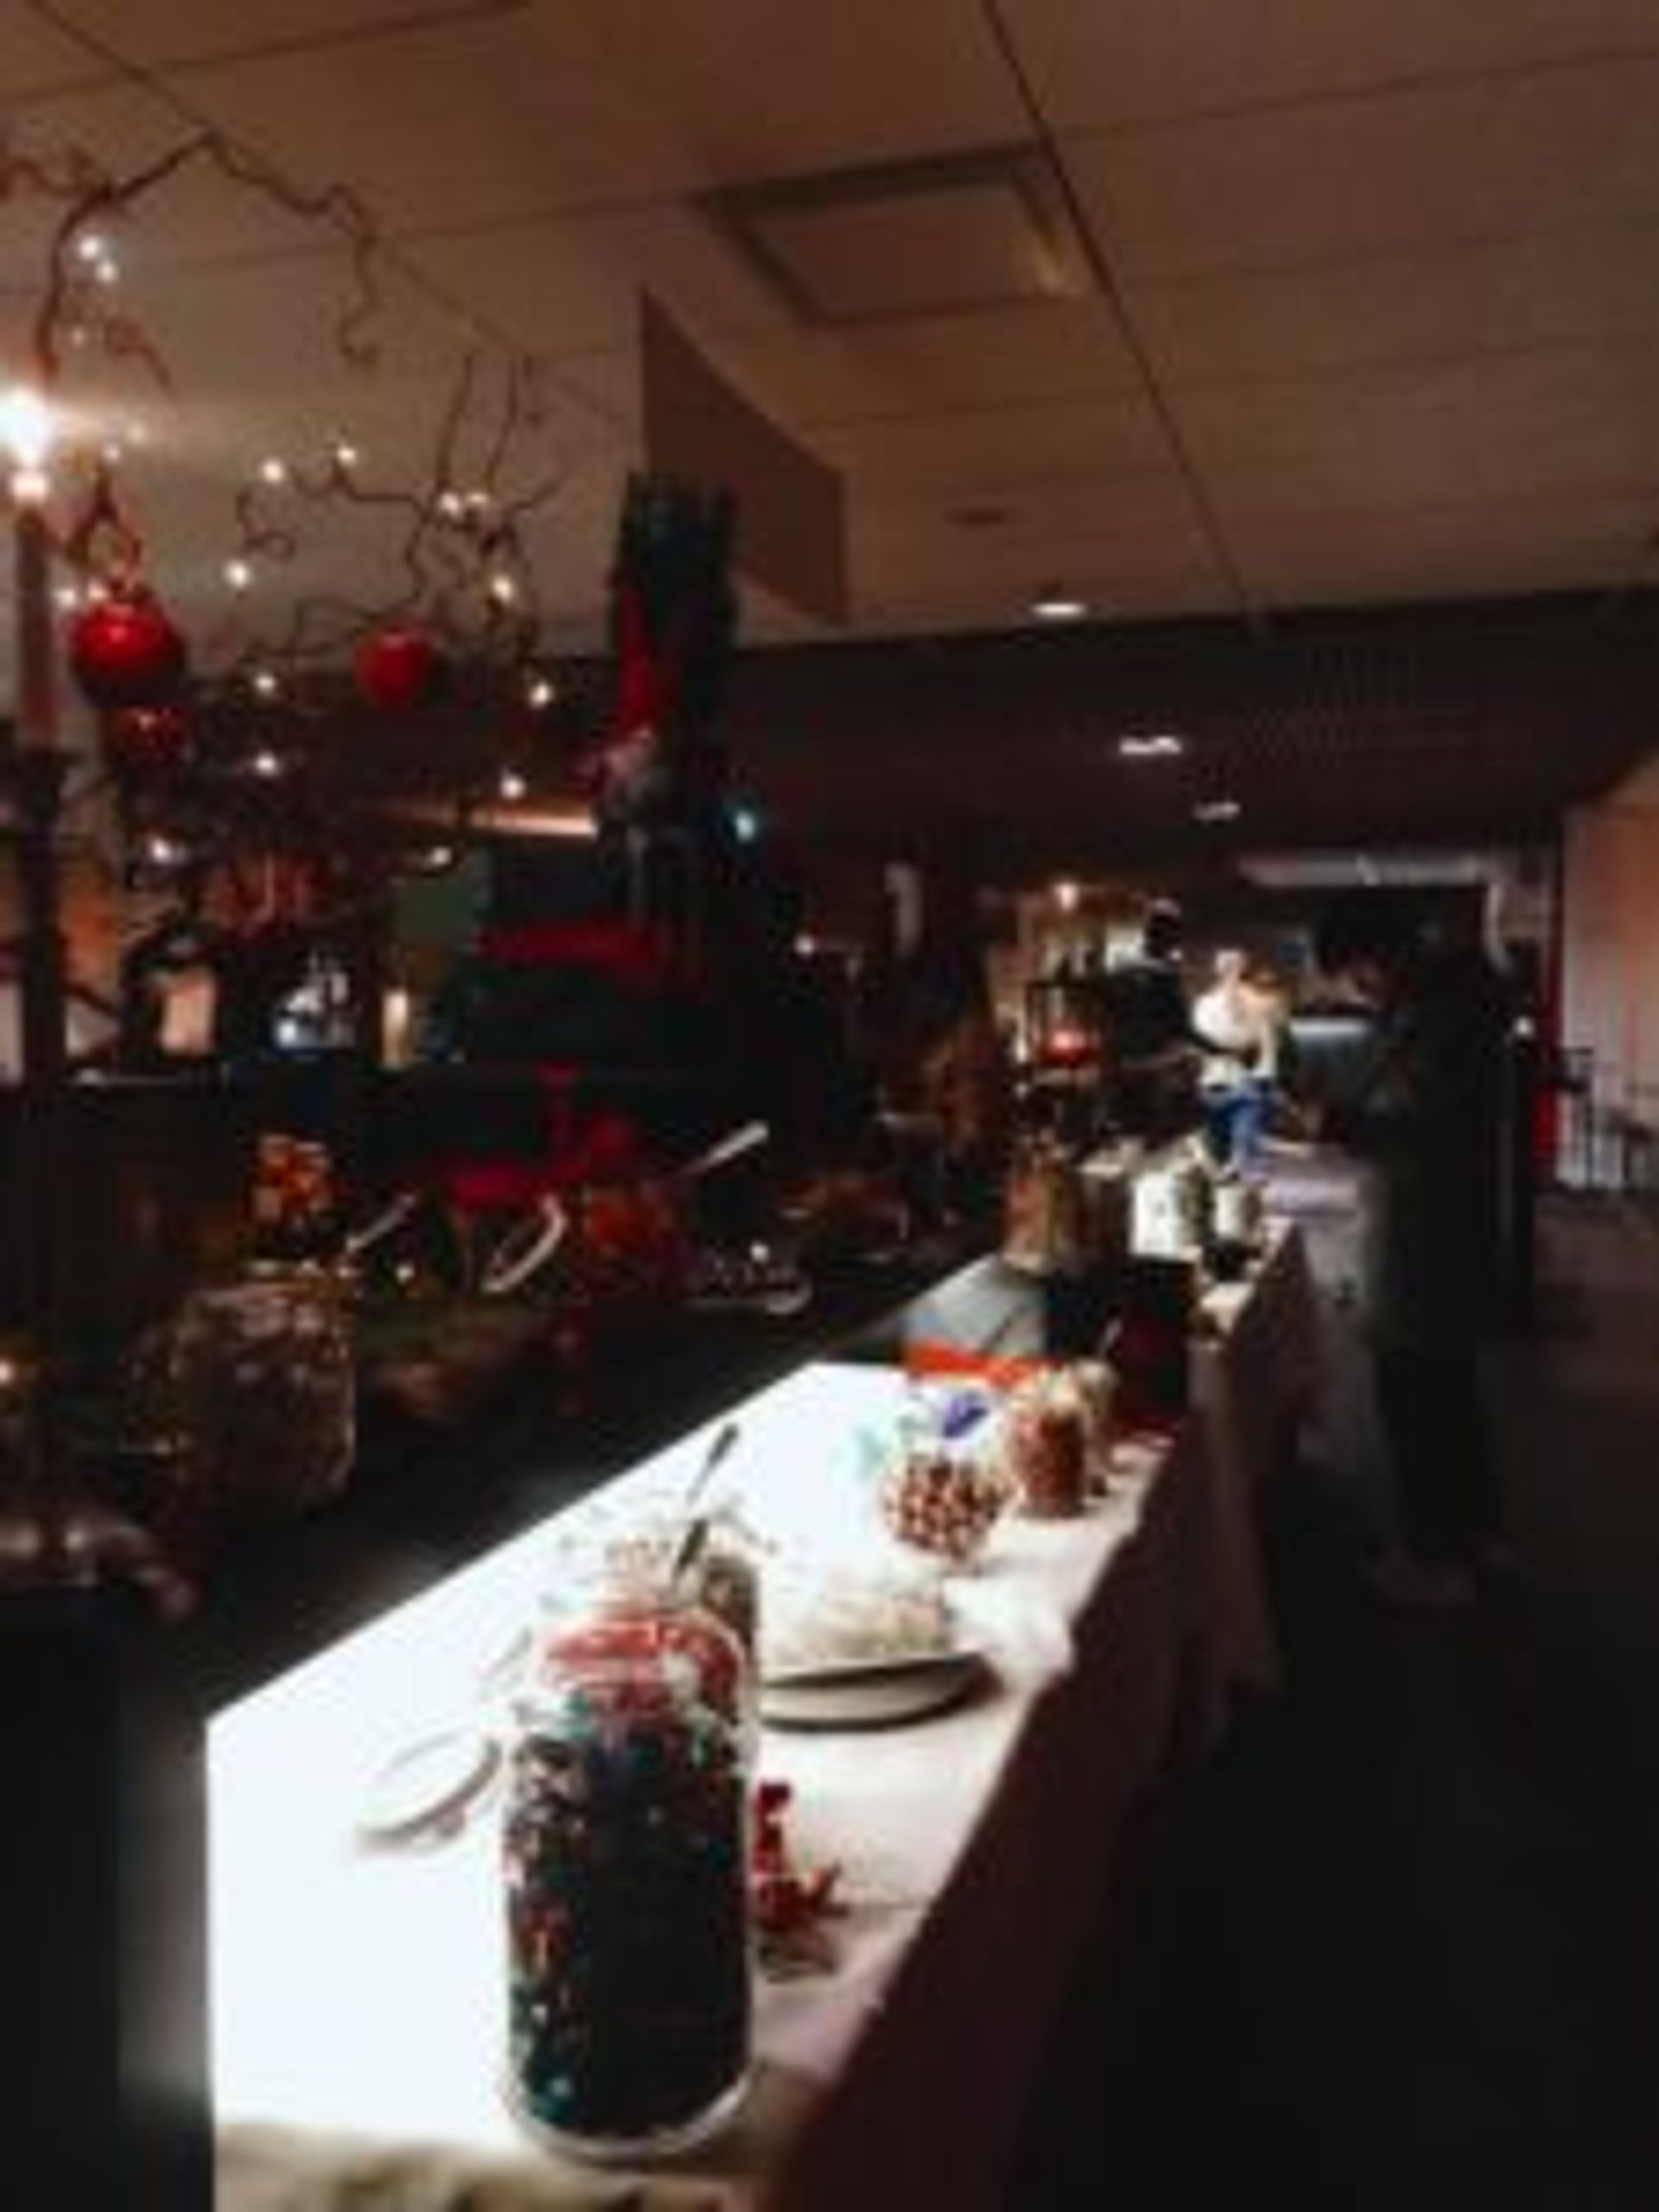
[
  {"x": 126, "y": 652},
  {"x": 789, "y": 1905},
  {"x": 146, "y": 741},
  {"x": 398, "y": 669}
]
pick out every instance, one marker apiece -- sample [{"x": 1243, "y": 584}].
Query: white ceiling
[{"x": 1375, "y": 283}]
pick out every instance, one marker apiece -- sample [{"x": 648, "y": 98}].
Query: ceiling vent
[{"x": 946, "y": 236}]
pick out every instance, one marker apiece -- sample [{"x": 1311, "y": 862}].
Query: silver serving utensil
[{"x": 689, "y": 1548}]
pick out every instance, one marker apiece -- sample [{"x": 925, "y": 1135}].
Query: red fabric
[
  {"x": 647, "y": 682},
  {"x": 928, "y": 1359},
  {"x": 623, "y": 951},
  {"x": 594, "y": 1145}
]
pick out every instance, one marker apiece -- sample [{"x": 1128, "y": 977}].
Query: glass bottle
[
  {"x": 625, "y": 1865},
  {"x": 259, "y": 1367}
]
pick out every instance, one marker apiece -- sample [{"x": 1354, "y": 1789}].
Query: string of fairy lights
[{"x": 271, "y": 680}]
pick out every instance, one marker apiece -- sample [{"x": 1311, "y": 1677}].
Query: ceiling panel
[
  {"x": 188, "y": 31},
  {"x": 994, "y": 452},
  {"x": 1457, "y": 163},
  {"x": 1093, "y": 66},
  {"x": 1577, "y": 419},
  {"x": 1100, "y": 564},
  {"x": 1056, "y": 350},
  {"x": 566, "y": 103},
  {"x": 34, "y": 54},
  {"x": 754, "y": 91},
  {"x": 815, "y": 380},
  {"x": 570, "y": 284},
  {"x": 1455, "y": 549},
  {"x": 1547, "y": 290},
  {"x": 1152, "y": 501}
]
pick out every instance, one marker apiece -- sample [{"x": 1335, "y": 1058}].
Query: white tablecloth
[{"x": 355, "y": 1996}]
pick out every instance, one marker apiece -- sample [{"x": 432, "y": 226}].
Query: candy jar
[
  {"x": 624, "y": 1852},
  {"x": 261, "y": 1377},
  {"x": 1056, "y": 1433},
  {"x": 942, "y": 1490}
]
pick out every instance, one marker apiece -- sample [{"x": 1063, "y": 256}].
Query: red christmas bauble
[
  {"x": 146, "y": 741},
  {"x": 126, "y": 652},
  {"x": 398, "y": 669}
]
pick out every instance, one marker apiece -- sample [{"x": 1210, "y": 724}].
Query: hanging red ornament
[
  {"x": 147, "y": 741},
  {"x": 126, "y": 652},
  {"x": 398, "y": 669}
]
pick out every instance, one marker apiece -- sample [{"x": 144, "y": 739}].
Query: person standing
[
  {"x": 1424, "y": 1105},
  {"x": 1152, "y": 1054},
  {"x": 1238, "y": 1037}
]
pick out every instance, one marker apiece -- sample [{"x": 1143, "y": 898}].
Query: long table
[{"x": 356, "y": 1995}]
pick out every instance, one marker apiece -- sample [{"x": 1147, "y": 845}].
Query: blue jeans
[{"x": 1233, "y": 1123}]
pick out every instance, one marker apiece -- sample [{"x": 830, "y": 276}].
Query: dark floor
[{"x": 1397, "y": 1945}]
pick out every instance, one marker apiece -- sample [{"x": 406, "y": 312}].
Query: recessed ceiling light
[
  {"x": 1217, "y": 810},
  {"x": 1053, "y": 603},
  {"x": 266, "y": 764},
  {"x": 510, "y": 785},
  {"x": 1152, "y": 745}
]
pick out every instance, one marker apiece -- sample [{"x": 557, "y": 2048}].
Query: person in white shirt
[{"x": 1236, "y": 1026}]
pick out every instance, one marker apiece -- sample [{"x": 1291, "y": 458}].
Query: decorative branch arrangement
[
  {"x": 237, "y": 789},
  {"x": 75, "y": 310},
  {"x": 469, "y": 583}
]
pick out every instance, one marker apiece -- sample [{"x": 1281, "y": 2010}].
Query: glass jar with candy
[{"x": 624, "y": 1852}]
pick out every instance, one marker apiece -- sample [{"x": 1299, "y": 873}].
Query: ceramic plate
[
  {"x": 882, "y": 1694},
  {"x": 425, "y": 1793}
]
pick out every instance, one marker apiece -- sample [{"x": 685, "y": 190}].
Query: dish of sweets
[{"x": 843, "y": 1649}]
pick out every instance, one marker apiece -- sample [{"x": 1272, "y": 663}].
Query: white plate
[
  {"x": 425, "y": 1793},
  {"x": 882, "y": 1694}
]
